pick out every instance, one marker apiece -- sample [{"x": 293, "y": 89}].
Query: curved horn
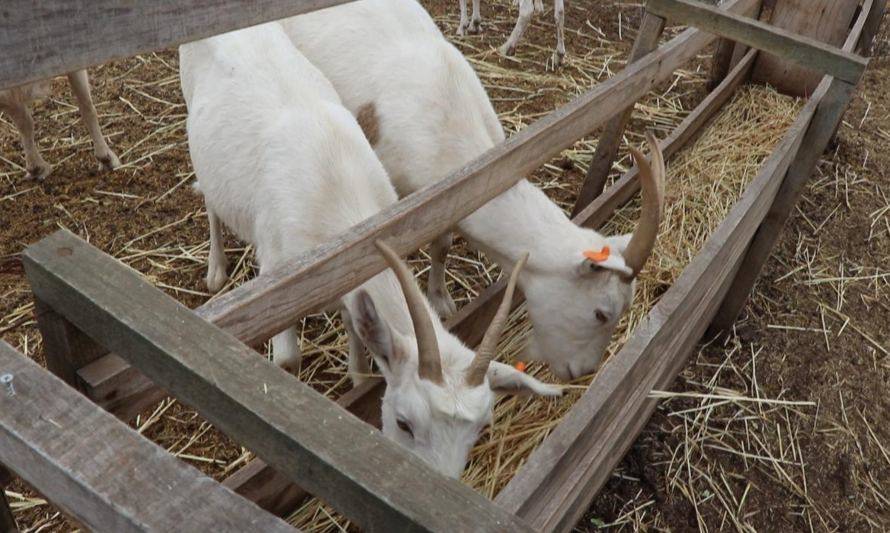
[
  {"x": 487, "y": 348},
  {"x": 651, "y": 177},
  {"x": 429, "y": 362}
]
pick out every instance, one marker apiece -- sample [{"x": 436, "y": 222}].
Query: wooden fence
[{"x": 124, "y": 344}]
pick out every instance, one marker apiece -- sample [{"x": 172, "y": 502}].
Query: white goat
[
  {"x": 427, "y": 114},
  {"x": 285, "y": 166},
  {"x": 15, "y": 102},
  {"x": 526, "y": 7}
]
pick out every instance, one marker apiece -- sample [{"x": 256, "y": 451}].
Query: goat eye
[
  {"x": 602, "y": 317},
  {"x": 405, "y": 426}
]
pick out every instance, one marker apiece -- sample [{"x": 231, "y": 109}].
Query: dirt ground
[{"x": 811, "y": 453}]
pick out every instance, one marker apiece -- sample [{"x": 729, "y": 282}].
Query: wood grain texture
[
  {"x": 67, "y": 350},
  {"x": 101, "y": 472},
  {"x": 831, "y": 110},
  {"x": 651, "y": 28},
  {"x": 826, "y": 21},
  {"x": 53, "y": 37},
  {"x": 800, "y": 50},
  {"x": 563, "y": 474},
  {"x": 329, "y": 452}
]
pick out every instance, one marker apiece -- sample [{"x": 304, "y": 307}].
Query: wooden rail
[
  {"x": 258, "y": 309},
  {"x": 350, "y": 465},
  {"x": 101, "y": 472},
  {"x": 52, "y": 37},
  {"x": 798, "y": 49}
]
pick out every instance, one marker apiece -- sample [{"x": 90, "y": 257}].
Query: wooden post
[
  {"x": 827, "y": 21},
  {"x": 67, "y": 349},
  {"x": 651, "y": 28},
  {"x": 7, "y": 521},
  {"x": 728, "y": 54}
]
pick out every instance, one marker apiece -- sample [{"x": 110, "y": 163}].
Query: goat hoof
[
  {"x": 443, "y": 305},
  {"x": 39, "y": 171},
  {"x": 557, "y": 59},
  {"x": 475, "y": 26},
  {"x": 507, "y": 50},
  {"x": 216, "y": 280},
  {"x": 108, "y": 161}
]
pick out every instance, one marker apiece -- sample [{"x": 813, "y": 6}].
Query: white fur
[
  {"x": 15, "y": 102},
  {"x": 436, "y": 117},
  {"x": 287, "y": 168},
  {"x": 526, "y": 7}
]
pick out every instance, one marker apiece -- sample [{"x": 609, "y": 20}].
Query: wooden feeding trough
[{"x": 124, "y": 345}]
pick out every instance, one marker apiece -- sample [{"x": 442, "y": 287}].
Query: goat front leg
[
  {"x": 476, "y": 21},
  {"x": 525, "y": 16},
  {"x": 437, "y": 290},
  {"x": 286, "y": 351},
  {"x": 21, "y": 116},
  {"x": 80, "y": 86},
  {"x": 216, "y": 261},
  {"x": 359, "y": 369},
  {"x": 462, "y": 25},
  {"x": 560, "y": 16}
]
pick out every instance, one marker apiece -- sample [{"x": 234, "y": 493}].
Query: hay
[{"x": 704, "y": 182}]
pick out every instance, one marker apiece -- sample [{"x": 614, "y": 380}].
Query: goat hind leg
[
  {"x": 476, "y": 21},
  {"x": 462, "y": 25},
  {"x": 80, "y": 86},
  {"x": 216, "y": 262},
  {"x": 437, "y": 290},
  {"x": 525, "y": 16},
  {"x": 286, "y": 351},
  {"x": 21, "y": 116},
  {"x": 560, "y": 16},
  {"x": 359, "y": 369}
]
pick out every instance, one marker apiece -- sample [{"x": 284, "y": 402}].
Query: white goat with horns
[
  {"x": 426, "y": 113},
  {"x": 526, "y": 7},
  {"x": 287, "y": 168},
  {"x": 15, "y": 102}
]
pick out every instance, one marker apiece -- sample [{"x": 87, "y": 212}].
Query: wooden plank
[
  {"x": 53, "y": 37},
  {"x": 651, "y": 28},
  {"x": 831, "y": 110},
  {"x": 563, "y": 474},
  {"x": 826, "y": 21},
  {"x": 800, "y": 50},
  {"x": 101, "y": 472},
  {"x": 350, "y": 465},
  {"x": 66, "y": 349},
  {"x": 267, "y": 304}
]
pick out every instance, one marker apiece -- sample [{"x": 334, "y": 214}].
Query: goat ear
[
  {"x": 375, "y": 333},
  {"x": 504, "y": 379},
  {"x": 619, "y": 242}
]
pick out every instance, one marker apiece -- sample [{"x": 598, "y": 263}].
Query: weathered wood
[
  {"x": 651, "y": 28},
  {"x": 101, "y": 472},
  {"x": 275, "y": 492},
  {"x": 798, "y": 49},
  {"x": 267, "y": 304},
  {"x": 53, "y": 37},
  {"x": 831, "y": 110},
  {"x": 302, "y": 434},
  {"x": 871, "y": 24},
  {"x": 66, "y": 349},
  {"x": 563, "y": 474},
  {"x": 826, "y": 21}
]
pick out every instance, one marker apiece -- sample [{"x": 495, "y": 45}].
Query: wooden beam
[
  {"x": 798, "y": 49},
  {"x": 100, "y": 471},
  {"x": 267, "y": 304},
  {"x": 66, "y": 349},
  {"x": 53, "y": 37},
  {"x": 831, "y": 110},
  {"x": 651, "y": 28},
  {"x": 339, "y": 458},
  {"x": 826, "y": 21},
  {"x": 564, "y": 473}
]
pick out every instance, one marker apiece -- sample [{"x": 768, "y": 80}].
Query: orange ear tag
[
  {"x": 520, "y": 366},
  {"x": 597, "y": 257}
]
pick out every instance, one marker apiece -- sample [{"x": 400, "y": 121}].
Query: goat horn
[
  {"x": 429, "y": 362},
  {"x": 651, "y": 177},
  {"x": 487, "y": 348}
]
